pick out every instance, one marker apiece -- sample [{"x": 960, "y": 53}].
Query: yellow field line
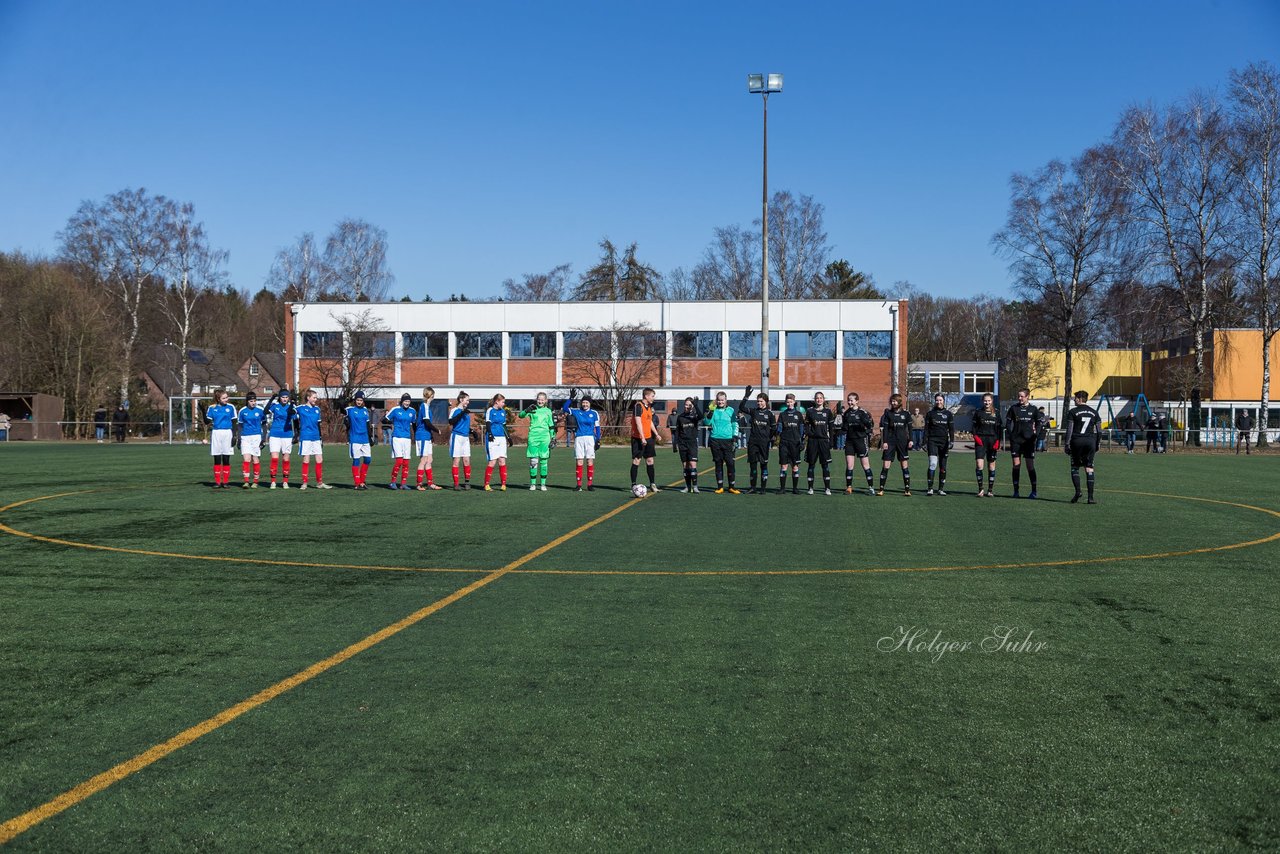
[{"x": 24, "y": 822}]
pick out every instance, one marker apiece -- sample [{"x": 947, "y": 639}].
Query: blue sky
[{"x": 494, "y": 139}]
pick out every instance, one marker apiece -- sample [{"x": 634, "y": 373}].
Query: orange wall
[
  {"x": 743, "y": 372},
  {"x": 535, "y": 372},
  {"x": 871, "y": 379},
  {"x": 810, "y": 372},
  {"x": 424, "y": 371},
  {"x": 695, "y": 372},
  {"x": 1237, "y": 364},
  {"x": 472, "y": 371}
]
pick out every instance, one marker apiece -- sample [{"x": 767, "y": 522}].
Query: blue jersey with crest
[
  {"x": 309, "y": 423},
  {"x": 250, "y": 418}
]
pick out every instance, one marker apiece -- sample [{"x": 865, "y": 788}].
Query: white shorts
[
  {"x": 584, "y": 447},
  {"x": 425, "y": 448},
  {"x": 312, "y": 448},
  {"x": 360, "y": 450},
  {"x": 459, "y": 446},
  {"x": 280, "y": 444},
  {"x": 401, "y": 447},
  {"x": 251, "y": 446},
  {"x": 497, "y": 447},
  {"x": 220, "y": 443}
]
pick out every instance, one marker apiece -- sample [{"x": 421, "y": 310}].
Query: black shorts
[
  {"x": 937, "y": 447},
  {"x": 986, "y": 449},
  {"x": 1082, "y": 454},
  {"x": 1022, "y": 446},
  {"x": 855, "y": 446},
  {"x": 721, "y": 450},
  {"x": 643, "y": 448},
  {"x": 758, "y": 451},
  {"x": 788, "y": 453},
  {"x": 893, "y": 451},
  {"x": 688, "y": 450},
  {"x": 817, "y": 450}
]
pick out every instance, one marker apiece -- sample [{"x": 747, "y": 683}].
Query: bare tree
[
  {"x": 364, "y": 358},
  {"x": 297, "y": 274},
  {"x": 538, "y": 287},
  {"x": 1255, "y": 150},
  {"x": 354, "y": 264},
  {"x": 192, "y": 268},
  {"x": 1177, "y": 170},
  {"x": 730, "y": 266},
  {"x": 616, "y": 362},
  {"x": 123, "y": 243},
  {"x": 798, "y": 249},
  {"x": 678, "y": 285},
  {"x": 1062, "y": 239},
  {"x": 613, "y": 278}
]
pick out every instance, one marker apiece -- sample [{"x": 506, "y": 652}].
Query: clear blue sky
[{"x": 493, "y": 139}]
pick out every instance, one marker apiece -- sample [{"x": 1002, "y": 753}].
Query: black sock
[
  {"x": 867, "y": 472},
  {"x": 942, "y": 478},
  {"x": 649, "y": 469},
  {"x": 1075, "y": 480},
  {"x": 764, "y": 475},
  {"x": 733, "y": 474},
  {"x": 810, "y": 477},
  {"x": 782, "y": 480},
  {"x": 929, "y": 478},
  {"x": 848, "y": 478},
  {"x": 1089, "y": 480},
  {"x": 1017, "y": 477},
  {"x": 991, "y": 479},
  {"x": 826, "y": 477},
  {"x": 719, "y": 474},
  {"x": 635, "y": 469},
  {"x": 1031, "y": 473},
  {"x": 754, "y": 472},
  {"x": 795, "y": 477},
  {"x": 694, "y": 474},
  {"x": 688, "y": 479},
  {"x": 906, "y": 478},
  {"x": 884, "y": 475},
  {"x": 979, "y": 473}
]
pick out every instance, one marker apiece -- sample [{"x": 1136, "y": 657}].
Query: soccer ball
[{"x": 639, "y": 490}]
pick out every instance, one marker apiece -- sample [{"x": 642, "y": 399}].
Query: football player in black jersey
[
  {"x": 818, "y": 423},
  {"x": 986, "y": 443},
  {"x": 790, "y": 435},
  {"x": 895, "y": 430},
  {"x": 939, "y": 436},
  {"x": 761, "y": 426},
  {"x": 1084, "y": 432},
  {"x": 858, "y": 427},
  {"x": 1021, "y": 426},
  {"x": 684, "y": 436}
]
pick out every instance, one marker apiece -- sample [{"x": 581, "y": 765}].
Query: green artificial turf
[{"x": 702, "y": 709}]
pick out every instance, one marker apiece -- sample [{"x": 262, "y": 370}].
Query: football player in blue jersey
[
  {"x": 403, "y": 419},
  {"x": 360, "y": 438},
  {"x": 250, "y": 418},
  {"x": 586, "y": 436},
  {"x": 283, "y": 417},
  {"x": 221, "y": 417},
  {"x": 424, "y": 438},
  {"x": 310, "y": 444},
  {"x": 495, "y": 442}
]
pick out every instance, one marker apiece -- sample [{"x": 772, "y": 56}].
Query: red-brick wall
[
  {"x": 473, "y": 371},
  {"x": 433, "y": 372},
  {"x": 695, "y": 372},
  {"x": 534, "y": 372}
]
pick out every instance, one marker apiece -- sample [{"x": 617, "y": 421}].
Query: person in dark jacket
[
  {"x": 100, "y": 423},
  {"x": 120, "y": 422},
  {"x": 1244, "y": 427}
]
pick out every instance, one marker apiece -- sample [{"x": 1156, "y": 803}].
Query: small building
[
  {"x": 1232, "y": 375},
  {"x": 33, "y": 415},
  {"x": 953, "y": 379},
  {"x": 1113, "y": 372},
  {"x": 207, "y": 371},
  {"x": 263, "y": 374}
]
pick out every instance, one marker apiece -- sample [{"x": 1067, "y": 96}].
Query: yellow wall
[
  {"x": 1237, "y": 364},
  {"x": 1116, "y": 372}
]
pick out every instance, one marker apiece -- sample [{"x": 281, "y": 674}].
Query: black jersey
[
  {"x": 1022, "y": 422},
  {"x": 791, "y": 425},
  {"x": 986, "y": 424},
  {"x": 760, "y": 424},
  {"x": 895, "y": 427},
  {"x": 940, "y": 425},
  {"x": 818, "y": 423},
  {"x": 1083, "y": 425},
  {"x": 687, "y": 424},
  {"x": 857, "y": 423}
]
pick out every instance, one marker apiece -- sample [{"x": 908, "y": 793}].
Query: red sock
[
  {"x": 246, "y": 471},
  {"x": 404, "y": 472},
  {"x": 421, "y": 473},
  {"x": 355, "y": 475},
  {"x": 466, "y": 473},
  {"x": 488, "y": 473},
  {"x": 430, "y": 480},
  {"x": 395, "y": 469},
  {"x": 226, "y": 473},
  {"x": 274, "y": 465},
  {"x": 217, "y": 474},
  {"x": 364, "y": 473},
  {"x": 305, "y": 466},
  {"x": 455, "y": 475},
  {"x": 578, "y": 467},
  {"x": 502, "y": 473},
  {"x": 319, "y": 476},
  {"x": 257, "y": 471},
  {"x": 285, "y": 478},
  {"x": 591, "y": 473}
]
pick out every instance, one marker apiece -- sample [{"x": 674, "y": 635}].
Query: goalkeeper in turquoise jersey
[
  {"x": 541, "y": 426},
  {"x": 723, "y": 419}
]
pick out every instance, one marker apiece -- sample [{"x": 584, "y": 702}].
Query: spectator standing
[
  {"x": 1244, "y": 427},
  {"x": 120, "y": 422},
  {"x": 1130, "y": 432},
  {"x": 100, "y": 423},
  {"x": 917, "y": 428}
]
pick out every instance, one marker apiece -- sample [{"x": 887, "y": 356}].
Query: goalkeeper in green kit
[{"x": 541, "y": 426}]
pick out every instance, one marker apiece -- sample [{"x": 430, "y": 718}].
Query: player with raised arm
[
  {"x": 403, "y": 420},
  {"x": 643, "y": 438},
  {"x": 424, "y": 437},
  {"x": 542, "y": 425},
  {"x": 249, "y": 419},
  {"x": 684, "y": 438},
  {"x": 819, "y": 424},
  {"x": 310, "y": 444},
  {"x": 460, "y": 441},
  {"x": 585, "y": 424},
  {"x": 221, "y": 418},
  {"x": 1021, "y": 426},
  {"x": 790, "y": 438},
  {"x": 360, "y": 439},
  {"x": 762, "y": 426},
  {"x": 895, "y": 428},
  {"x": 1084, "y": 433},
  {"x": 986, "y": 444},
  {"x": 495, "y": 442},
  {"x": 858, "y": 428},
  {"x": 283, "y": 418},
  {"x": 723, "y": 420},
  {"x": 939, "y": 437}
]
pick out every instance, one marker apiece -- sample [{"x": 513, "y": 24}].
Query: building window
[
  {"x": 811, "y": 345},
  {"x": 425, "y": 345},
  {"x": 586, "y": 345},
  {"x": 266, "y": 389},
  {"x": 746, "y": 345},
  {"x": 533, "y": 345},
  {"x": 640, "y": 344},
  {"x": 979, "y": 383},
  {"x": 253, "y": 368},
  {"x": 868, "y": 345},
  {"x": 322, "y": 345},
  {"x": 479, "y": 345},
  {"x": 696, "y": 345},
  {"x": 373, "y": 345}
]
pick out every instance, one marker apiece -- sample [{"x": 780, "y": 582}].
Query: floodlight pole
[{"x": 763, "y": 84}]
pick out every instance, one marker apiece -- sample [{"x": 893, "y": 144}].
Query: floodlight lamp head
[{"x": 763, "y": 84}]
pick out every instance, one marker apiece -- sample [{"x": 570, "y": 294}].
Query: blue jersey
[
  {"x": 588, "y": 421},
  {"x": 461, "y": 421},
  {"x": 309, "y": 423},
  {"x": 282, "y": 415},
  {"x": 221, "y": 415},
  {"x": 426, "y": 430},
  {"x": 402, "y": 420},
  {"x": 358, "y": 426},
  {"x": 496, "y": 419},
  {"x": 250, "y": 418}
]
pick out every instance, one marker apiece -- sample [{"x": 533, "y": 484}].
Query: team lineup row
[{"x": 796, "y": 433}]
